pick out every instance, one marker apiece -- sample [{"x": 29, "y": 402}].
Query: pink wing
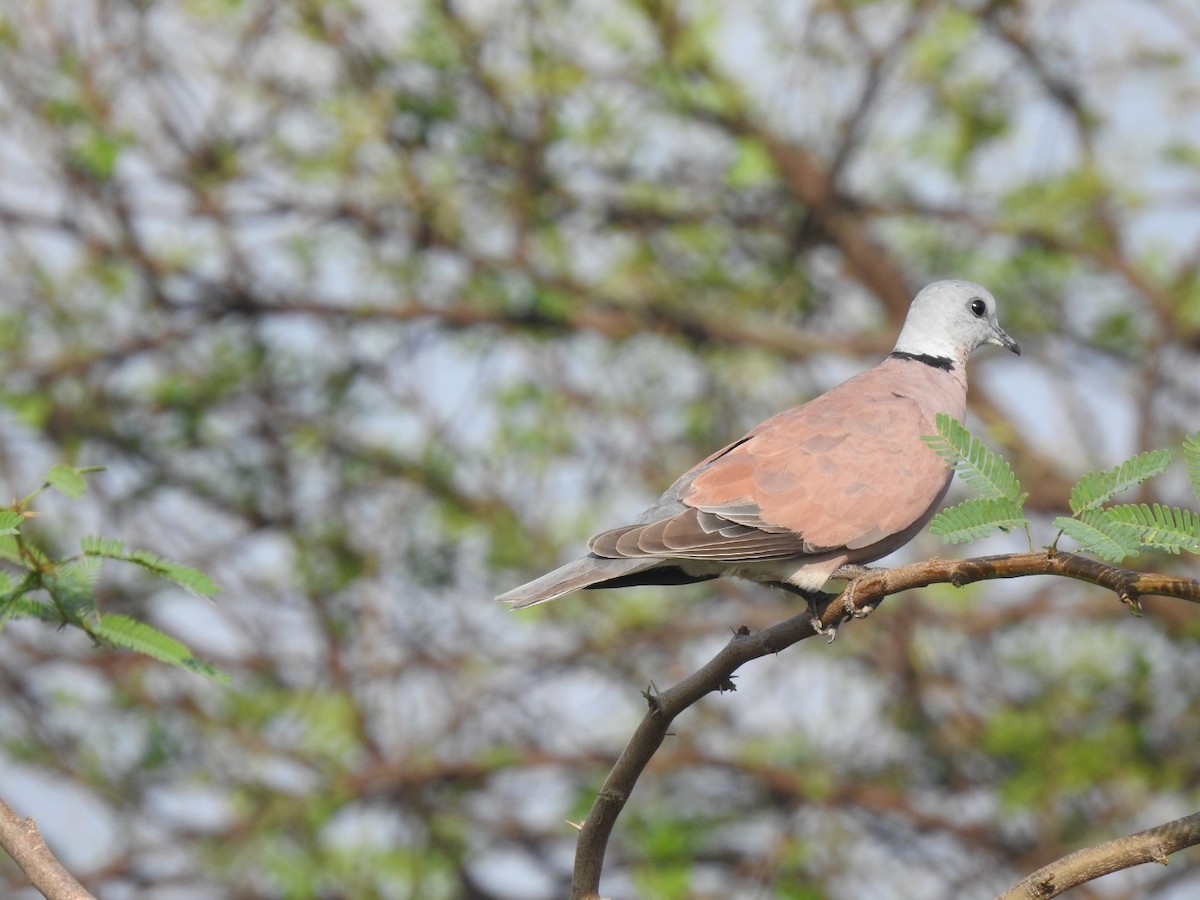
[{"x": 844, "y": 471}]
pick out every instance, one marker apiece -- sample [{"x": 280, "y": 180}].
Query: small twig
[
  {"x": 868, "y": 590},
  {"x": 1152, "y": 845},
  {"x": 22, "y": 841},
  {"x": 664, "y": 707}
]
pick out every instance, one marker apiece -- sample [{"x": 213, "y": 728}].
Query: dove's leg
[
  {"x": 852, "y": 575},
  {"x": 817, "y": 601}
]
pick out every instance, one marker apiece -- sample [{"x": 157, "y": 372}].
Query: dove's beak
[{"x": 1001, "y": 339}]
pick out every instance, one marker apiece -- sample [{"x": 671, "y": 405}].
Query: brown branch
[
  {"x": 598, "y": 315},
  {"x": 812, "y": 183},
  {"x": 862, "y": 595},
  {"x": 811, "y": 180},
  {"x": 1152, "y": 845},
  {"x": 22, "y": 841},
  {"x": 1155, "y": 291}
]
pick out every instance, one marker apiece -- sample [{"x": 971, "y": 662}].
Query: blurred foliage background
[{"x": 373, "y": 310}]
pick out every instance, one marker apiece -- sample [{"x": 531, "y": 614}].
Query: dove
[{"x": 840, "y": 480}]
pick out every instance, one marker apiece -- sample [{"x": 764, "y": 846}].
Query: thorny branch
[
  {"x": 862, "y": 594},
  {"x": 20, "y": 839},
  {"x": 1152, "y": 845}
]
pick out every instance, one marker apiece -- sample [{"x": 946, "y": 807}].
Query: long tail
[{"x": 587, "y": 571}]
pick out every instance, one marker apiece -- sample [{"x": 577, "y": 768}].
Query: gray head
[{"x": 949, "y": 319}]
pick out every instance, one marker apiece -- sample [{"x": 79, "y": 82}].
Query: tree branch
[
  {"x": 22, "y": 841},
  {"x": 862, "y": 594},
  {"x": 1152, "y": 845},
  {"x": 812, "y": 183}
]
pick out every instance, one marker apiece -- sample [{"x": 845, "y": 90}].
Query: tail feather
[{"x": 587, "y": 571}]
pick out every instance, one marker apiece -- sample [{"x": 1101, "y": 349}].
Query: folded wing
[{"x": 844, "y": 472}]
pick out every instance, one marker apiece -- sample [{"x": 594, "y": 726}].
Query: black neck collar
[{"x": 937, "y": 362}]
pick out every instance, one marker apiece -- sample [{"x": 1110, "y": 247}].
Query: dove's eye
[{"x": 978, "y": 307}]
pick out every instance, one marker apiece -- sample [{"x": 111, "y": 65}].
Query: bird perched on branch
[{"x": 840, "y": 480}]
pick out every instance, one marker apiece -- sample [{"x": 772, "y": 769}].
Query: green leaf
[
  {"x": 71, "y": 587},
  {"x": 33, "y": 608},
  {"x": 1108, "y": 539},
  {"x": 1063, "y": 203},
  {"x": 986, "y": 473},
  {"x": 1191, "y": 458},
  {"x": 131, "y": 634},
  {"x": 752, "y": 165},
  {"x": 15, "y": 602},
  {"x": 97, "y": 153},
  {"x": 977, "y": 518},
  {"x": 10, "y": 522},
  {"x": 948, "y": 34},
  {"x": 1160, "y": 527},
  {"x": 91, "y": 545},
  {"x": 25, "y": 607},
  {"x": 1095, "y": 489},
  {"x": 67, "y": 481},
  {"x": 10, "y": 549},
  {"x": 185, "y": 576}
]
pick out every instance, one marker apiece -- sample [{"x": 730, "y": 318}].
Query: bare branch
[
  {"x": 867, "y": 589},
  {"x": 812, "y": 183},
  {"x": 1152, "y": 845},
  {"x": 22, "y": 841}
]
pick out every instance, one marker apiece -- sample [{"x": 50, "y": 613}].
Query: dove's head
[{"x": 949, "y": 319}]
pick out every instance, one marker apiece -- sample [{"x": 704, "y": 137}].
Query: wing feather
[{"x": 845, "y": 472}]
